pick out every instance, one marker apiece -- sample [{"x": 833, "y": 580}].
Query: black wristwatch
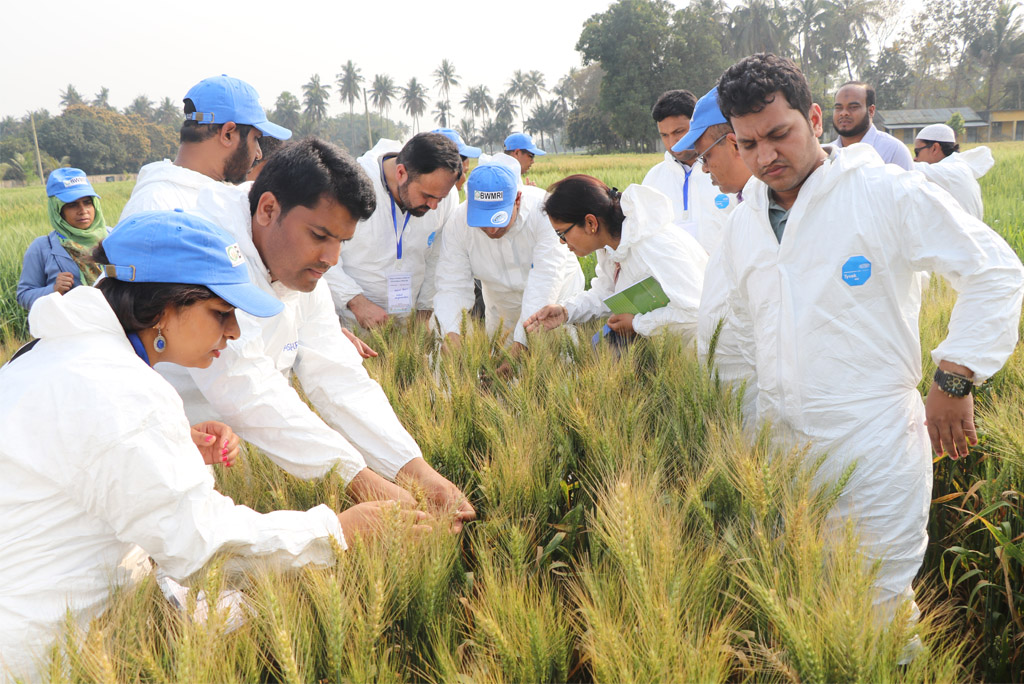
[{"x": 954, "y": 385}]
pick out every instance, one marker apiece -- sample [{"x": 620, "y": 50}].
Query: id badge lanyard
[
  {"x": 399, "y": 236},
  {"x": 686, "y": 187}
]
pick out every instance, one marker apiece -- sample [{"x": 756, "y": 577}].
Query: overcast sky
[{"x": 162, "y": 49}]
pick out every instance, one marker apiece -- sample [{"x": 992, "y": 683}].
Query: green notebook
[{"x": 640, "y": 298}]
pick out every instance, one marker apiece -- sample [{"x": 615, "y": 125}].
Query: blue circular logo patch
[{"x": 721, "y": 200}]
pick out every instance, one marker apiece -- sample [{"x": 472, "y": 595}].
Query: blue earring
[{"x": 159, "y": 342}]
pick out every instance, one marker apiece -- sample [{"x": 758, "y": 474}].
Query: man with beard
[
  {"x": 852, "y": 118},
  {"x": 219, "y": 143},
  {"x": 388, "y": 268}
]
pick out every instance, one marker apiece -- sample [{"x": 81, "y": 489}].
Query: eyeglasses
[
  {"x": 561, "y": 233},
  {"x": 700, "y": 157},
  {"x": 917, "y": 150}
]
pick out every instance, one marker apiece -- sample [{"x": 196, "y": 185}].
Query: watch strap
[{"x": 953, "y": 384}]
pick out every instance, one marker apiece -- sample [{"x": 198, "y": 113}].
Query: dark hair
[
  {"x": 573, "y": 197},
  {"x": 428, "y": 152},
  {"x": 139, "y": 305},
  {"x": 674, "y": 103},
  {"x": 870, "y": 99},
  {"x": 268, "y": 146},
  {"x": 300, "y": 173},
  {"x": 195, "y": 132},
  {"x": 749, "y": 85},
  {"x": 947, "y": 148}
]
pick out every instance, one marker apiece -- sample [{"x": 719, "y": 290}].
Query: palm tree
[
  {"x": 71, "y": 96},
  {"x": 445, "y": 79},
  {"x": 102, "y": 98},
  {"x": 167, "y": 113},
  {"x": 467, "y": 129},
  {"x": 1001, "y": 45},
  {"x": 495, "y": 132},
  {"x": 314, "y": 98},
  {"x": 545, "y": 119},
  {"x": 566, "y": 91},
  {"x": 477, "y": 101},
  {"x": 350, "y": 85},
  {"x": 504, "y": 108},
  {"x": 516, "y": 89},
  {"x": 414, "y": 101},
  {"x": 534, "y": 86},
  {"x": 757, "y": 26},
  {"x": 381, "y": 94},
  {"x": 442, "y": 110},
  {"x": 141, "y": 106},
  {"x": 853, "y": 20},
  {"x": 288, "y": 111}
]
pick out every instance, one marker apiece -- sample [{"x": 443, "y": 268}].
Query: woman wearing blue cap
[
  {"x": 62, "y": 260},
  {"x": 96, "y": 459}
]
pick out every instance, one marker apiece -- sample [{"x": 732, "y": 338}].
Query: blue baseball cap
[
  {"x": 521, "y": 141},
  {"x": 68, "y": 185},
  {"x": 220, "y": 99},
  {"x": 178, "y": 247},
  {"x": 490, "y": 196},
  {"x": 464, "y": 149},
  {"x": 705, "y": 115}
]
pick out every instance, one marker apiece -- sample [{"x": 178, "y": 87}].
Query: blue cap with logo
[
  {"x": 490, "y": 196},
  {"x": 178, "y": 247},
  {"x": 521, "y": 141},
  {"x": 220, "y": 99},
  {"x": 69, "y": 185},
  {"x": 464, "y": 149},
  {"x": 705, "y": 115}
]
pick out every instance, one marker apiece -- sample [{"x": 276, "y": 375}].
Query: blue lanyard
[
  {"x": 139, "y": 348},
  {"x": 394, "y": 221},
  {"x": 687, "y": 170}
]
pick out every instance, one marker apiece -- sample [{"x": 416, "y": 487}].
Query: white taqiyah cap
[{"x": 937, "y": 133}]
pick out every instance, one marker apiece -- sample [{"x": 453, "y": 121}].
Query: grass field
[{"x": 627, "y": 530}]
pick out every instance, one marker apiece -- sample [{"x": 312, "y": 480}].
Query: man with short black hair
[
  {"x": 387, "y": 269},
  {"x": 466, "y": 152},
  {"x": 698, "y": 208},
  {"x": 821, "y": 263},
  {"x": 940, "y": 160},
  {"x": 290, "y": 227},
  {"x": 852, "y": 117},
  {"x": 219, "y": 143}
]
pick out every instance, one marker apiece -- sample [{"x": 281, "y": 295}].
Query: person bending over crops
[
  {"x": 63, "y": 259},
  {"x": 290, "y": 227},
  {"x": 821, "y": 264},
  {"x": 116, "y": 469},
  {"x": 634, "y": 238},
  {"x": 940, "y": 160}
]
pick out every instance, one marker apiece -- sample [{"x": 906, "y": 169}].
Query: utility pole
[
  {"x": 369, "y": 135},
  {"x": 39, "y": 161}
]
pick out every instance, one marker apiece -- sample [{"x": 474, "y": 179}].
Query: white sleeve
[
  {"x": 151, "y": 487},
  {"x": 454, "y": 279},
  {"x": 543, "y": 283},
  {"x": 680, "y": 270},
  {"x": 343, "y": 288},
  {"x": 941, "y": 237},
  {"x": 349, "y": 400},
  {"x": 252, "y": 396},
  {"x": 590, "y": 303},
  {"x": 446, "y": 209}
]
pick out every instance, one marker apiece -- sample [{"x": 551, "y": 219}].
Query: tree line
[{"x": 951, "y": 53}]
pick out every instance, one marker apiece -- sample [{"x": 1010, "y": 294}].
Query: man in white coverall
[
  {"x": 290, "y": 227},
  {"x": 501, "y": 236},
  {"x": 820, "y": 262},
  {"x": 219, "y": 143},
  {"x": 387, "y": 269},
  {"x": 940, "y": 160},
  {"x": 695, "y": 202}
]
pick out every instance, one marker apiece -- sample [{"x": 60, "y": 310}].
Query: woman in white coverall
[
  {"x": 96, "y": 458},
  {"x": 634, "y": 238}
]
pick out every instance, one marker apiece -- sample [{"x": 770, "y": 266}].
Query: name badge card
[{"x": 399, "y": 293}]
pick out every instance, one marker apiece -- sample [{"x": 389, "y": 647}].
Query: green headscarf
[{"x": 79, "y": 242}]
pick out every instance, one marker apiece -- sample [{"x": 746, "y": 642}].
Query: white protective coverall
[
  {"x": 833, "y": 313},
  {"x": 650, "y": 245},
  {"x": 96, "y": 458},
  {"x": 958, "y": 174},
  {"x": 372, "y": 253},
  {"x": 697, "y": 205},
  {"x": 248, "y": 386},
  {"x": 163, "y": 186},
  {"x": 522, "y": 271}
]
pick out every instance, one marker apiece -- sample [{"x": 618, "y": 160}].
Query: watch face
[{"x": 956, "y": 385}]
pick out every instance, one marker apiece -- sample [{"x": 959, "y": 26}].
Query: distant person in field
[
  {"x": 387, "y": 269},
  {"x": 466, "y": 152},
  {"x": 521, "y": 147},
  {"x": 268, "y": 146},
  {"x": 697, "y": 207},
  {"x": 821, "y": 263},
  {"x": 62, "y": 259},
  {"x": 713, "y": 141},
  {"x": 501, "y": 236},
  {"x": 290, "y": 226},
  {"x": 220, "y": 141},
  {"x": 940, "y": 160},
  {"x": 634, "y": 238},
  {"x": 853, "y": 118}
]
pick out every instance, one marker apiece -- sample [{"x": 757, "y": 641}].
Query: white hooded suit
[{"x": 958, "y": 174}]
